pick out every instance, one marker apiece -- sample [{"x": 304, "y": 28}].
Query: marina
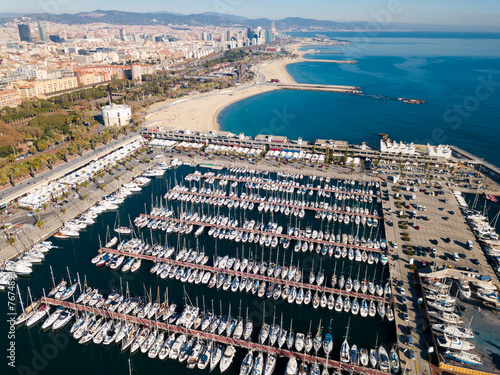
[
  {"x": 209, "y": 337},
  {"x": 321, "y": 287},
  {"x": 254, "y": 276}
]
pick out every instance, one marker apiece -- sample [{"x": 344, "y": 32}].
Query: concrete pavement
[{"x": 55, "y": 218}]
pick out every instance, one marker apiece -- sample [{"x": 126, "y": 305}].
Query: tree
[
  {"x": 39, "y": 224},
  {"x": 11, "y": 240}
]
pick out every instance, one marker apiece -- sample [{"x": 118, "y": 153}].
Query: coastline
[{"x": 199, "y": 112}]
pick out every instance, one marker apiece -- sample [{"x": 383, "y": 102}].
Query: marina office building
[{"x": 427, "y": 153}]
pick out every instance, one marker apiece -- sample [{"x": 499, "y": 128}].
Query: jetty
[
  {"x": 210, "y": 336},
  {"x": 279, "y": 183},
  {"x": 260, "y": 232},
  {"x": 314, "y": 87},
  {"x": 233, "y": 273},
  {"x": 259, "y": 201},
  {"x": 331, "y": 61}
]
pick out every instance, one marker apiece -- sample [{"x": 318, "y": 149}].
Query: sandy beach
[{"x": 199, "y": 112}]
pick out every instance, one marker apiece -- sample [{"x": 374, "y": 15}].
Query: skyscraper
[
  {"x": 269, "y": 36},
  {"x": 123, "y": 35},
  {"x": 42, "y": 31},
  {"x": 250, "y": 33},
  {"x": 24, "y": 32}
]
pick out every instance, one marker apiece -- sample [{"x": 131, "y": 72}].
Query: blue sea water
[{"x": 458, "y": 75}]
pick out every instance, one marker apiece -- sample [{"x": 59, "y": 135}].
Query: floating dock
[
  {"x": 210, "y": 336},
  {"x": 257, "y": 201},
  {"x": 280, "y": 183},
  {"x": 259, "y": 277},
  {"x": 260, "y": 232}
]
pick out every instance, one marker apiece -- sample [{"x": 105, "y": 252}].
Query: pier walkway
[
  {"x": 259, "y": 277},
  {"x": 258, "y": 201},
  {"x": 328, "y": 88},
  {"x": 301, "y": 357},
  {"x": 260, "y": 232},
  {"x": 280, "y": 183}
]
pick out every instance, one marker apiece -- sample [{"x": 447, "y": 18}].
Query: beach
[{"x": 199, "y": 112}]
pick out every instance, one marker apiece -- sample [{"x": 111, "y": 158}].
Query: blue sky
[{"x": 483, "y": 13}]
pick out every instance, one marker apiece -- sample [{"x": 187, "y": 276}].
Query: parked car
[
  {"x": 409, "y": 341},
  {"x": 411, "y": 353}
]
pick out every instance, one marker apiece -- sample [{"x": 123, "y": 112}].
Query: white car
[{"x": 394, "y": 245}]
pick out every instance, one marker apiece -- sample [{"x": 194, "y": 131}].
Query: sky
[{"x": 482, "y": 13}]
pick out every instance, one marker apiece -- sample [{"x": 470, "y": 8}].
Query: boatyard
[{"x": 307, "y": 255}]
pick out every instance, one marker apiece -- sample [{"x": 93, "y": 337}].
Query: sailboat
[
  {"x": 291, "y": 367},
  {"x": 247, "y": 364},
  {"x": 227, "y": 358},
  {"x": 328, "y": 341},
  {"x": 258, "y": 364},
  {"x": 317, "y": 339},
  {"x": 383, "y": 359},
  {"x": 216, "y": 356},
  {"x": 344, "y": 349},
  {"x": 394, "y": 361}
]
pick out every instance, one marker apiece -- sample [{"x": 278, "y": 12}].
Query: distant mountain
[
  {"x": 163, "y": 18},
  {"x": 223, "y": 15},
  {"x": 116, "y": 17},
  {"x": 4, "y": 15}
]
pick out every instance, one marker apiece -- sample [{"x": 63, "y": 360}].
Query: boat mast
[{"x": 20, "y": 298}]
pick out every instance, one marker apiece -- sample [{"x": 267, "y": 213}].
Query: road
[
  {"x": 40, "y": 179},
  {"x": 54, "y": 217}
]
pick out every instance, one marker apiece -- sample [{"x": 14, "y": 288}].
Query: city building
[
  {"x": 269, "y": 36},
  {"x": 42, "y": 32},
  {"x": 24, "y": 32},
  {"x": 30, "y": 90},
  {"x": 136, "y": 72},
  {"x": 56, "y": 39},
  {"x": 116, "y": 114},
  {"x": 83, "y": 59},
  {"x": 388, "y": 146},
  {"x": 9, "y": 98},
  {"x": 439, "y": 150}
]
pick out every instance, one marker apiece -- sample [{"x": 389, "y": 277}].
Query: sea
[
  {"x": 457, "y": 74},
  {"x": 45, "y": 352}
]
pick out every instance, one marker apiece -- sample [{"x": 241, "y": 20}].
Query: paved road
[{"x": 53, "y": 218}]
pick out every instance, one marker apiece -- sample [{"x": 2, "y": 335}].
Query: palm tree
[
  {"x": 11, "y": 240},
  {"x": 39, "y": 224}
]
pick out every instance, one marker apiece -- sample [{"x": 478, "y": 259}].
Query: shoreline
[{"x": 199, "y": 112}]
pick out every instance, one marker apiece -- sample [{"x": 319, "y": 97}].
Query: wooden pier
[
  {"x": 257, "y": 201},
  {"x": 286, "y": 236},
  {"x": 301, "y": 357},
  {"x": 279, "y": 183},
  {"x": 259, "y": 277}
]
